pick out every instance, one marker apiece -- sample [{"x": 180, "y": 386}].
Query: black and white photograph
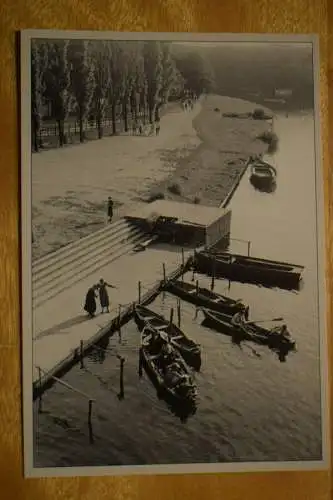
[{"x": 173, "y": 256}]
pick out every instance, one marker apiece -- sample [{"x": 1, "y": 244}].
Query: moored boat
[
  {"x": 262, "y": 174},
  {"x": 203, "y": 297},
  {"x": 275, "y": 338},
  {"x": 189, "y": 349},
  {"x": 166, "y": 365},
  {"x": 247, "y": 269}
]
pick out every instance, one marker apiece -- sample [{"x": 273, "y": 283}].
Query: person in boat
[
  {"x": 239, "y": 319},
  {"x": 280, "y": 332},
  {"x": 90, "y": 302},
  {"x": 103, "y": 294}
]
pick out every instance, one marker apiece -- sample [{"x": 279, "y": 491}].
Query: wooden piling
[
  {"x": 183, "y": 258},
  {"x": 89, "y": 411},
  {"x": 81, "y": 354},
  {"x": 171, "y": 316},
  {"x": 139, "y": 292},
  {"x": 140, "y": 363},
  {"x": 213, "y": 274},
  {"x": 164, "y": 274},
  {"x": 119, "y": 322},
  {"x": 248, "y": 248},
  {"x": 122, "y": 392},
  {"x": 40, "y": 402},
  {"x": 179, "y": 313},
  {"x": 197, "y": 287}
]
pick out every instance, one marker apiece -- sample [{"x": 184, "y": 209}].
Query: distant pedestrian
[
  {"x": 103, "y": 294},
  {"x": 90, "y": 303},
  {"x": 110, "y": 209},
  {"x": 158, "y": 128}
]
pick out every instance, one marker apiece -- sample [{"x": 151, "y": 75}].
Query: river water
[{"x": 251, "y": 407}]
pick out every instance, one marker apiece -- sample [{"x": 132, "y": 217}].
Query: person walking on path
[
  {"x": 103, "y": 294},
  {"x": 158, "y": 128},
  {"x": 110, "y": 209},
  {"x": 90, "y": 303}
]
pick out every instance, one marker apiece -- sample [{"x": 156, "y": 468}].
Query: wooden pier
[{"x": 81, "y": 340}]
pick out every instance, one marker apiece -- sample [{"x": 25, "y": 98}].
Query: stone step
[
  {"x": 77, "y": 244},
  {"x": 77, "y": 255},
  {"x": 47, "y": 292}
]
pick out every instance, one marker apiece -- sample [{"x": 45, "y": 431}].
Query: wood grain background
[{"x": 257, "y": 16}]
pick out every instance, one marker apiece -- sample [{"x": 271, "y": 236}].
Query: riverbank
[
  {"x": 209, "y": 173},
  {"x": 197, "y": 157}
]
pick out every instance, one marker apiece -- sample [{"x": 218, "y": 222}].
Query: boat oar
[{"x": 263, "y": 320}]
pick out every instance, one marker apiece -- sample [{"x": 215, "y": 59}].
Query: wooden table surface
[{"x": 258, "y": 16}]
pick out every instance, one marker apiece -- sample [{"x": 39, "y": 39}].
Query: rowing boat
[
  {"x": 247, "y": 269},
  {"x": 206, "y": 298},
  {"x": 273, "y": 337},
  {"x": 189, "y": 349},
  {"x": 170, "y": 371}
]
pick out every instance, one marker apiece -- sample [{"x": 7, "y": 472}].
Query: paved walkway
[{"x": 60, "y": 324}]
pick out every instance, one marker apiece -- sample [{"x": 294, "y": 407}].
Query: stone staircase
[{"x": 61, "y": 269}]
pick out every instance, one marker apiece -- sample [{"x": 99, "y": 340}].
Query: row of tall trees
[{"x": 114, "y": 79}]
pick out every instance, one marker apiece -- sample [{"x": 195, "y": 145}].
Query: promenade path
[
  {"x": 70, "y": 186},
  {"x": 61, "y": 323}
]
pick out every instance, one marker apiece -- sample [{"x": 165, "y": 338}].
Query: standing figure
[
  {"x": 90, "y": 303},
  {"x": 110, "y": 209},
  {"x": 158, "y": 128},
  {"x": 103, "y": 294}
]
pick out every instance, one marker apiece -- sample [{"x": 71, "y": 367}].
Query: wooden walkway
[{"x": 63, "y": 332}]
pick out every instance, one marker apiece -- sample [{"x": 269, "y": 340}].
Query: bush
[
  {"x": 175, "y": 189},
  {"x": 271, "y": 139},
  {"x": 156, "y": 196},
  {"x": 258, "y": 114}
]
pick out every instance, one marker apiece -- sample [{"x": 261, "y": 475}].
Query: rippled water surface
[{"x": 251, "y": 407}]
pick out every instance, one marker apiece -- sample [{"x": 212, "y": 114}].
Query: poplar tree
[
  {"x": 82, "y": 80},
  {"x": 39, "y": 61},
  {"x": 102, "y": 82},
  {"x": 153, "y": 71},
  {"x": 57, "y": 82}
]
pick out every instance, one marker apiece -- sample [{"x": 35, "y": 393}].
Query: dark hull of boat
[
  {"x": 190, "y": 351},
  {"x": 261, "y": 336},
  {"x": 247, "y": 272},
  {"x": 199, "y": 299},
  {"x": 187, "y": 396}
]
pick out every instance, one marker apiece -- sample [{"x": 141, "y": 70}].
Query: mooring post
[
  {"x": 183, "y": 258},
  {"x": 139, "y": 292},
  {"x": 179, "y": 313},
  {"x": 119, "y": 322},
  {"x": 171, "y": 316},
  {"x": 248, "y": 248},
  {"x": 213, "y": 274},
  {"x": 89, "y": 411},
  {"x": 40, "y": 390},
  {"x": 122, "y": 393},
  {"x": 164, "y": 274},
  {"x": 81, "y": 354},
  {"x": 140, "y": 363},
  {"x": 197, "y": 287}
]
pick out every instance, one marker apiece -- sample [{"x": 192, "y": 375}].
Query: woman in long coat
[
  {"x": 103, "y": 294},
  {"x": 90, "y": 303}
]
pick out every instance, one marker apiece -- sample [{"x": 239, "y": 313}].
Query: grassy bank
[{"x": 229, "y": 135}]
